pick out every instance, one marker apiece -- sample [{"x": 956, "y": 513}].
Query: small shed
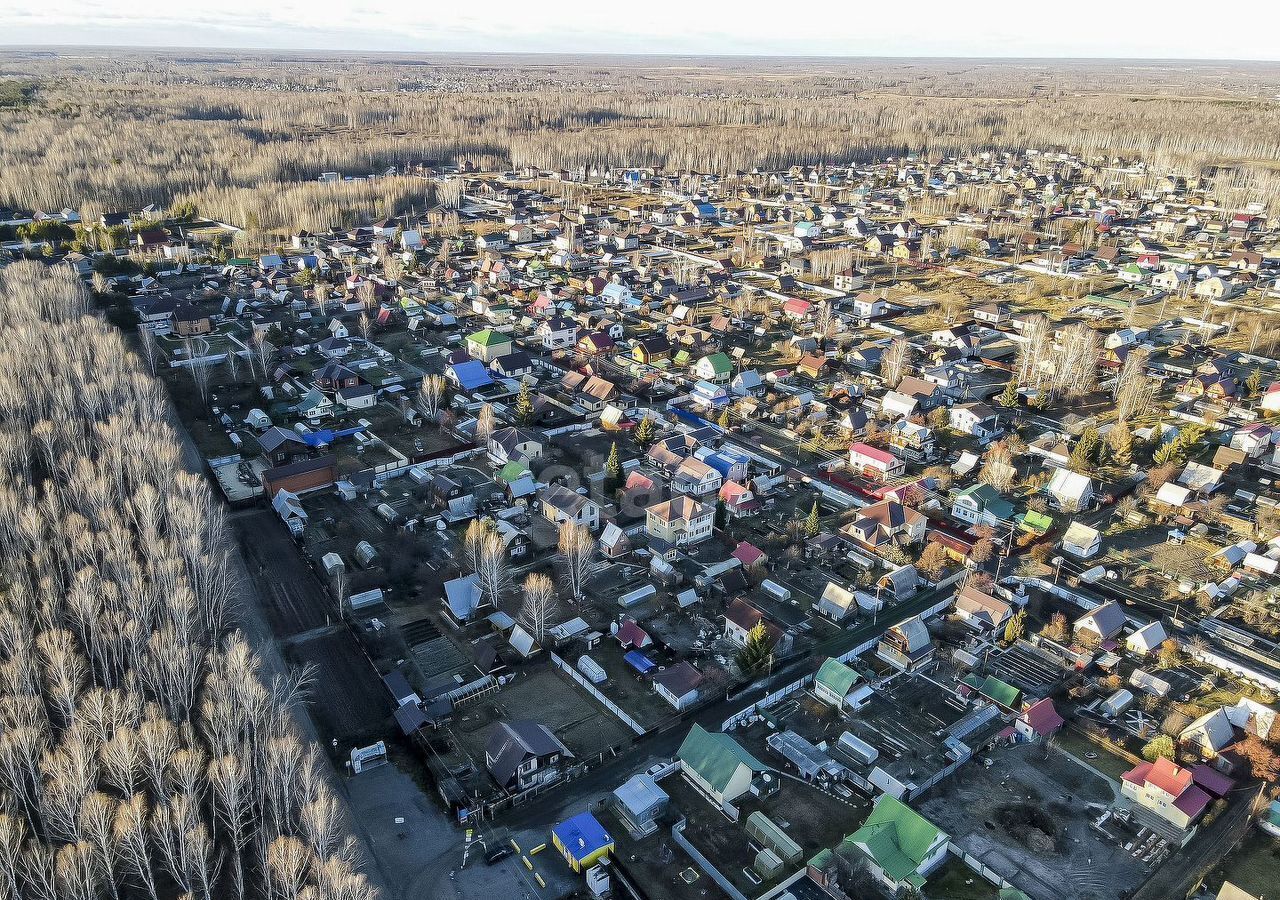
[
  {"x": 639, "y": 803},
  {"x": 582, "y": 841}
]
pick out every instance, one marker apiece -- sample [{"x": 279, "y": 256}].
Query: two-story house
[
  {"x": 560, "y": 504},
  {"x": 524, "y": 754},
  {"x": 678, "y": 522}
]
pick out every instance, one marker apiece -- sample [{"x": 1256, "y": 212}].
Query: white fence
[{"x": 591, "y": 689}]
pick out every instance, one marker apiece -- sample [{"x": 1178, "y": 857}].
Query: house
[
  {"x": 866, "y": 306},
  {"x": 1165, "y": 798},
  {"x": 639, "y": 803},
  {"x": 717, "y": 765},
  {"x": 1147, "y": 639},
  {"x": 992, "y": 314},
  {"x": 837, "y": 602},
  {"x": 468, "y": 376},
  {"x": 190, "y": 321},
  {"x": 361, "y": 396},
  {"x": 523, "y": 754},
  {"x": 1070, "y": 491},
  {"x": 901, "y": 847},
  {"x": 875, "y": 463},
  {"x": 514, "y": 445},
  {"x": 834, "y": 682},
  {"x": 464, "y": 598},
  {"x": 906, "y": 645},
  {"x": 651, "y": 349},
  {"x": 582, "y": 841},
  {"x": 1101, "y": 623},
  {"x": 741, "y": 617},
  {"x": 1039, "y": 721},
  {"x": 557, "y": 333},
  {"x": 488, "y": 345},
  {"x": 678, "y": 522},
  {"x": 980, "y": 504},
  {"x": 678, "y": 684},
  {"x": 1082, "y": 541},
  {"x": 696, "y": 478},
  {"x": 885, "y": 523},
  {"x": 981, "y": 610},
  {"x": 289, "y": 508},
  {"x": 716, "y": 368},
  {"x": 560, "y": 505},
  {"x": 976, "y": 419},
  {"x": 1253, "y": 440},
  {"x": 738, "y": 499}
]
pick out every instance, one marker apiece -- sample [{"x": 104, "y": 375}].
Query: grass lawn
[
  {"x": 956, "y": 881},
  {"x": 1078, "y": 745},
  {"x": 1254, "y": 867}
]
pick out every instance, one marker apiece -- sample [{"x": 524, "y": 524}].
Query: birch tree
[
  {"x": 576, "y": 550},
  {"x": 539, "y": 604}
]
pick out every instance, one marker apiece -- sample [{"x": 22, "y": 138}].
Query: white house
[
  {"x": 1071, "y": 491},
  {"x": 976, "y": 419},
  {"x": 1082, "y": 541}
]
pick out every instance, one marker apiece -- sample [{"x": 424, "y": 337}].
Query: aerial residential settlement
[{"x": 657, "y": 534}]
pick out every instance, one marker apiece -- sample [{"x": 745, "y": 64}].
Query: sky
[{"x": 991, "y": 28}]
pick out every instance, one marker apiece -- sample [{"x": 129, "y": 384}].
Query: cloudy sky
[{"x": 1083, "y": 28}]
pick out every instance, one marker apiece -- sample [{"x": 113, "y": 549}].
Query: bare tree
[
  {"x": 896, "y": 361},
  {"x": 576, "y": 553},
  {"x": 539, "y": 605},
  {"x": 493, "y": 570},
  {"x": 150, "y": 350},
  {"x": 1075, "y": 358},
  {"x": 431, "y": 394},
  {"x": 485, "y": 424},
  {"x": 198, "y": 369},
  {"x": 997, "y": 468},
  {"x": 262, "y": 352}
]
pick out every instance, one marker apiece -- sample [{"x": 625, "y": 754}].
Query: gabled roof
[
  {"x": 715, "y": 757},
  {"x": 898, "y": 839},
  {"x": 1042, "y": 717},
  {"x": 836, "y": 677}
]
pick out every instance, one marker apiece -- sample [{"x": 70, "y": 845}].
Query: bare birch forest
[
  {"x": 235, "y": 136},
  {"x": 143, "y": 753}
]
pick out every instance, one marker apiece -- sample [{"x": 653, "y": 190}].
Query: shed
[
  {"x": 582, "y": 841},
  {"x": 639, "y": 803}
]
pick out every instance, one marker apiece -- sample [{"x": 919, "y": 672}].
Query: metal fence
[
  {"x": 591, "y": 689},
  {"x": 677, "y": 834}
]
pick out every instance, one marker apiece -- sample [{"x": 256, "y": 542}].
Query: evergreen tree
[
  {"x": 723, "y": 421},
  {"x": 1085, "y": 453},
  {"x": 644, "y": 432},
  {"x": 1120, "y": 444},
  {"x": 1009, "y": 397},
  {"x": 722, "y": 515},
  {"x": 1016, "y": 627},
  {"x": 524, "y": 404},
  {"x": 756, "y": 656},
  {"x": 1254, "y": 381},
  {"x": 613, "y": 467},
  {"x": 811, "y": 525}
]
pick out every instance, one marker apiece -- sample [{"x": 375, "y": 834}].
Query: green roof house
[
  {"x": 715, "y": 367},
  {"x": 488, "y": 345},
  {"x": 717, "y": 764},
  {"x": 1035, "y": 522},
  {"x": 833, "y": 682},
  {"x": 902, "y": 846},
  {"x": 994, "y": 689},
  {"x": 981, "y": 504}
]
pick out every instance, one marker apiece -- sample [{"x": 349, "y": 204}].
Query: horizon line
[{"x": 166, "y": 48}]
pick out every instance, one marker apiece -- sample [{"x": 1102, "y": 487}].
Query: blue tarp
[
  {"x": 326, "y": 436},
  {"x": 638, "y": 661}
]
